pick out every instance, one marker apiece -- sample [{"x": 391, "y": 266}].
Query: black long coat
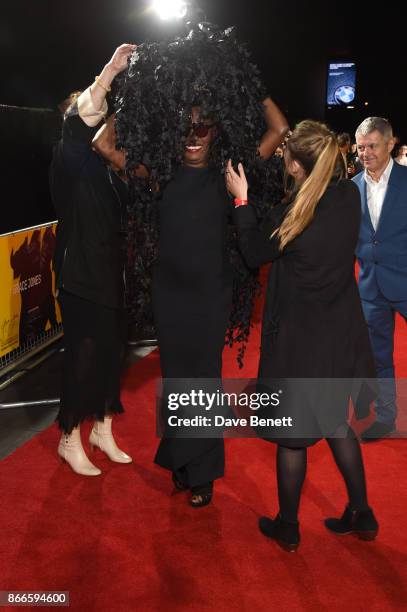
[{"x": 313, "y": 324}]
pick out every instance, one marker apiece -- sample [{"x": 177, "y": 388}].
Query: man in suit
[{"x": 382, "y": 257}]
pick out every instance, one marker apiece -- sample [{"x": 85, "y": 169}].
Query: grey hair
[{"x": 375, "y": 123}]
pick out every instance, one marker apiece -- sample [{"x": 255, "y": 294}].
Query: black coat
[
  {"x": 313, "y": 324},
  {"x": 90, "y": 202}
]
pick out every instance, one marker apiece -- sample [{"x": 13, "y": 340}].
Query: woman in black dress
[
  {"x": 313, "y": 325},
  {"x": 192, "y": 291},
  {"x": 90, "y": 200}
]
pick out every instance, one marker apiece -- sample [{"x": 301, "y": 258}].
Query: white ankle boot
[
  {"x": 70, "y": 449},
  {"x": 102, "y": 437}
]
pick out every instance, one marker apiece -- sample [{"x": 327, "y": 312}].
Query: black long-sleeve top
[{"x": 90, "y": 201}]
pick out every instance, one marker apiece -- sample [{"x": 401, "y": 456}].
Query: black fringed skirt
[{"x": 95, "y": 337}]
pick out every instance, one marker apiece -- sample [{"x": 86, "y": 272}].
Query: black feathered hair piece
[{"x": 154, "y": 98}]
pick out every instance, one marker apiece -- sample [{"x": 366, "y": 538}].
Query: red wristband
[{"x": 239, "y": 202}]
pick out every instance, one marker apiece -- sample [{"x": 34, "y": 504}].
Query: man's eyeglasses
[{"x": 201, "y": 130}]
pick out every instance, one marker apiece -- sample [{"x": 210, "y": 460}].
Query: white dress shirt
[{"x": 376, "y": 192}]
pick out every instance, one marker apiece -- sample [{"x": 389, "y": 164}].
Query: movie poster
[{"x": 28, "y": 308}]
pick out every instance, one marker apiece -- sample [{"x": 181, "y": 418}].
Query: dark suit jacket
[{"x": 382, "y": 254}]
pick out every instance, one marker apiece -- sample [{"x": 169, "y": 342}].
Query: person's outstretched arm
[
  {"x": 277, "y": 129},
  {"x": 82, "y": 120},
  {"x": 256, "y": 247},
  {"x": 105, "y": 143},
  {"x": 102, "y": 83}
]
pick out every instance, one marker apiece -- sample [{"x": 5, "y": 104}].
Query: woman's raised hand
[
  {"x": 236, "y": 183},
  {"x": 119, "y": 58}
]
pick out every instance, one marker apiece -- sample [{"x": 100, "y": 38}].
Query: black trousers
[{"x": 191, "y": 348}]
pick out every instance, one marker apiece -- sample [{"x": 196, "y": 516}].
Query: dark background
[{"x": 50, "y": 48}]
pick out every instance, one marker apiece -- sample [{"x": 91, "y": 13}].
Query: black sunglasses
[{"x": 200, "y": 129}]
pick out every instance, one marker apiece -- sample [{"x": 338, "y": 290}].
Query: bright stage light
[{"x": 168, "y": 9}]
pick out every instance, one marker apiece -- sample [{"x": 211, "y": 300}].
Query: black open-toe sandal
[
  {"x": 178, "y": 484},
  {"x": 201, "y": 495}
]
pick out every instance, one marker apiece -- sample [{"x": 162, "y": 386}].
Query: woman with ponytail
[{"x": 313, "y": 326}]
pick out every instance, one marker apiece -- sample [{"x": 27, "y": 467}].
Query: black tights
[{"x": 292, "y": 466}]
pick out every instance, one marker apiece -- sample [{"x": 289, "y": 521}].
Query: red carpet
[{"x": 124, "y": 541}]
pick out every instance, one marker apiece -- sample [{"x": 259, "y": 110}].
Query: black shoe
[
  {"x": 286, "y": 534},
  {"x": 359, "y": 522},
  {"x": 377, "y": 431},
  {"x": 201, "y": 495},
  {"x": 179, "y": 484}
]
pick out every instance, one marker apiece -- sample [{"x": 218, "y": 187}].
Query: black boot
[
  {"x": 286, "y": 534},
  {"x": 359, "y": 522}
]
